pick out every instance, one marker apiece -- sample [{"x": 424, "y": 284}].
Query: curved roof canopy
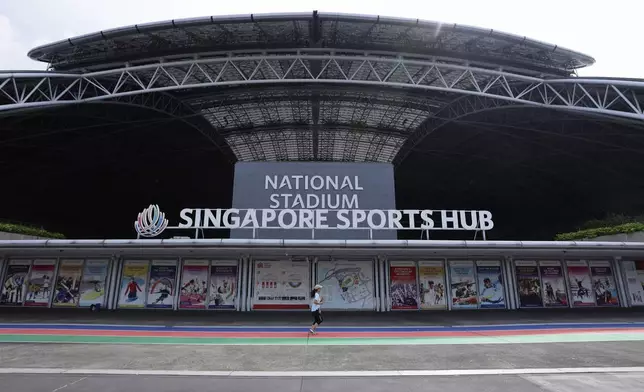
[{"x": 209, "y": 36}]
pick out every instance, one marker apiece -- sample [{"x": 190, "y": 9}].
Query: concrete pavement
[{"x": 632, "y": 382}]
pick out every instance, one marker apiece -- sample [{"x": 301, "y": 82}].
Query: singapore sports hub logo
[{"x": 151, "y": 222}]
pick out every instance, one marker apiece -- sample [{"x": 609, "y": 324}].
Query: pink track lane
[{"x": 357, "y": 334}]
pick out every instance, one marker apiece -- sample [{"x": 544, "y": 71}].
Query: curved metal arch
[{"x": 602, "y": 96}]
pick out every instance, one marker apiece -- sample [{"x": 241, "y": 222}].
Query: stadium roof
[
  {"x": 471, "y": 118},
  {"x": 210, "y": 36}
]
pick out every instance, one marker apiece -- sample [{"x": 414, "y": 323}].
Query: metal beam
[{"x": 611, "y": 97}]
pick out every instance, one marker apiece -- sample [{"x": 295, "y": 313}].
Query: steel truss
[{"x": 607, "y": 97}]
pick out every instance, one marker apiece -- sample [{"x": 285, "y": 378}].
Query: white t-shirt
[{"x": 314, "y": 306}]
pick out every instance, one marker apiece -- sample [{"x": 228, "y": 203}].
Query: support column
[
  {"x": 244, "y": 288},
  {"x": 376, "y": 282},
  {"x": 511, "y": 283},
  {"x": 386, "y": 286},
  {"x": 114, "y": 271},
  {"x": 618, "y": 273}
]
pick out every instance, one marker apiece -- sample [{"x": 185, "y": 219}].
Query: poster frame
[
  {"x": 517, "y": 288},
  {"x": 119, "y": 281},
  {"x": 403, "y": 263},
  {"x": 478, "y": 289},
  {"x": 564, "y": 275},
  {"x": 443, "y": 262},
  {"x": 178, "y": 300},
  {"x": 592, "y": 292},
  {"x": 623, "y": 302},
  {"x": 211, "y": 263},
  {"x": 58, "y": 265},
  {"x": 627, "y": 289},
  {"x": 54, "y": 275},
  {"x": 251, "y": 283},
  {"x": 476, "y": 281},
  {"x": 608, "y": 260},
  {"x": 152, "y": 260},
  {"x": 8, "y": 262},
  {"x": 366, "y": 260}
]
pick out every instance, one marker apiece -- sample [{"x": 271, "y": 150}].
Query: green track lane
[{"x": 321, "y": 341}]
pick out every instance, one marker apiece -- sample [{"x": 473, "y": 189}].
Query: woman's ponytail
[{"x": 313, "y": 293}]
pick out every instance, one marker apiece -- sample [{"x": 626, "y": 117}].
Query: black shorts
[{"x": 317, "y": 317}]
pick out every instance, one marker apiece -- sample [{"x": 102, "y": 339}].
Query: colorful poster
[
  {"x": 634, "y": 274},
  {"x": 403, "y": 289},
  {"x": 163, "y": 276},
  {"x": 194, "y": 284},
  {"x": 604, "y": 283},
  {"x": 281, "y": 285},
  {"x": 67, "y": 290},
  {"x": 40, "y": 283},
  {"x": 134, "y": 284},
  {"x": 346, "y": 284},
  {"x": 528, "y": 284},
  {"x": 490, "y": 280},
  {"x": 92, "y": 286},
  {"x": 580, "y": 283},
  {"x": 463, "y": 285},
  {"x": 432, "y": 285},
  {"x": 554, "y": 284},
  {"x": 15, "y": 282},
  {"x": 223, "y": 285}
]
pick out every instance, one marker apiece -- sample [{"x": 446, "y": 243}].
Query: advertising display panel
[
  {"x": 403, "y": 289},
  {"x": 634, "y": 274},
  {"x": 67, "y": 290},
  {"x": 528, "y": 284},
  {"x": 432, "y": 285},
  {"x": 604, "y": 283},
  {"x": 40, "y": 283},
  {"x": 463, "y": 285},
  {"x": 92, "y": 286},
  {"x": 14, "y": 286},
  {"x": 194, "y": 284},
  {"x": 281, "y": 285},
  {"x": 554, "y": 284},
  {"x": 134, "y": 283},
  {"x": 346, "y": 284},
  {"x": 163, "y": 279},
  {"x": 580, "y": 283},
  {"x": 223, "y": 285},
  {"x": 490, "y": 280}
]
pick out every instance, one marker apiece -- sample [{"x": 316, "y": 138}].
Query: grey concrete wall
[
  {"x": 13, "y": 236},
  {"x": 627, "y": 237}
]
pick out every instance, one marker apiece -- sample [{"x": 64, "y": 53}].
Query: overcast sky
[{"x": 606, "y": 30}]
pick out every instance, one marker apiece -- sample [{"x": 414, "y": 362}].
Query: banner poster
[
  {"x": 463, "y": 285},
  {"x": 432, "y": 285},
  {"x": 634, "y": 273},
  {"x": 490, "y": 280},
  {"x": 67, "y": 290},
  {"x": 554, "y": 284},
  {"x": 528, "y": 284},
  {"x": 92, "y": 285},
  {"x": 194, "y": 286},
  {"x": 281, "y": 285},
  {"x": 580, "y": 283},
  {"x": 163, "y": 276},
  {"x": 134, "y": 284},
  {"x": 223, "y": 285},
  {"x": 39, "y": 286},
  {"x": 14, "y": 285},
  {"x": 403, "y": 288},
  {"x": 604, "y": 283},
  {"x": 346, "y": 284}
]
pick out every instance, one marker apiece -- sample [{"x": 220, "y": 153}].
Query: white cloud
[{"x": 13, "y": 51}]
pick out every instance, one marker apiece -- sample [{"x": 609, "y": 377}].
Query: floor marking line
[{"x": 358, "y": 373}]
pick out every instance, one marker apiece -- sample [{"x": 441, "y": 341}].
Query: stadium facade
[{"x": 327, "y": 119}]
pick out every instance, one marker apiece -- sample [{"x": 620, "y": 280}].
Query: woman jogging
[{"x": 315, "y": 308}]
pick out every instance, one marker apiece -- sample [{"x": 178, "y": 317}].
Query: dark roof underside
[{"x": 88, "y": 170}]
